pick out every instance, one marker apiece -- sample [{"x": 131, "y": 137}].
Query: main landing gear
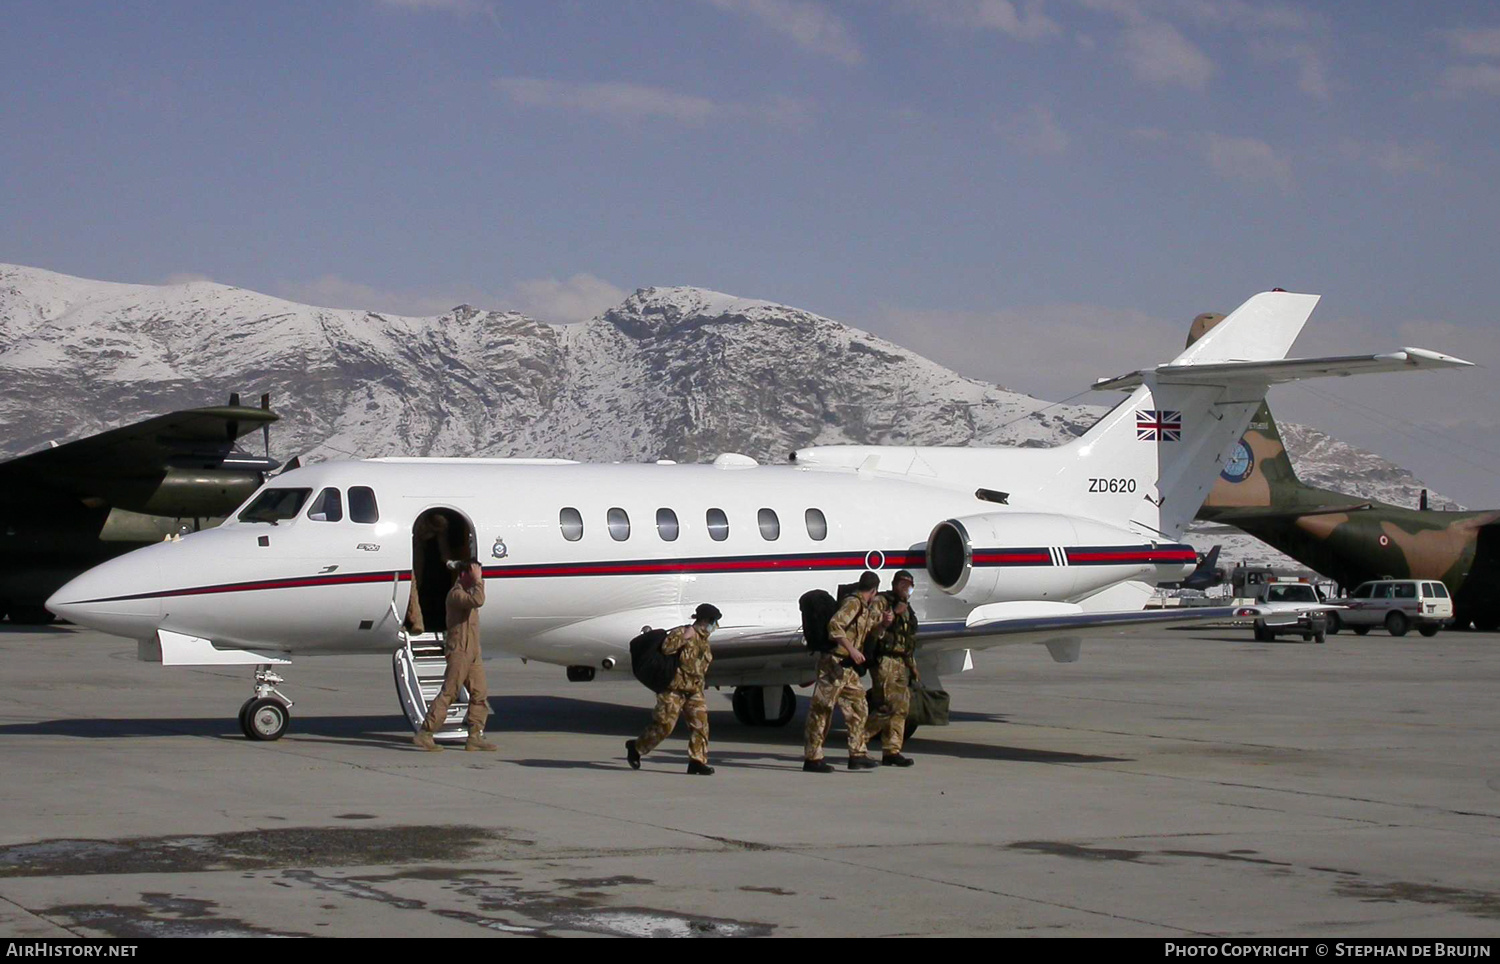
[
  {"x": 266, "y": 714},
  {"x": 764, "y": 705}
]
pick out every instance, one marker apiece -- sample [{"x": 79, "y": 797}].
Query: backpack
[
  {"x": 649, "y": 664},
  {"x": 817, "y": 608}
]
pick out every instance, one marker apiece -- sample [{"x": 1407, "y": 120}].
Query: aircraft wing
[
  {"x": 1284, "y": 369},
  {"x": 192, "y": 438},
  {"x": 1004, "y": 624},
  {"x": 1231, "y": 516}
]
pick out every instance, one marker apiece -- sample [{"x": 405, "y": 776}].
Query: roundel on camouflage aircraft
[{"x": 1240, "y": 464}]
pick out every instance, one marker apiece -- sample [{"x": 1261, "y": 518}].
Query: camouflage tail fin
[{"x": 1259, "y": 473}]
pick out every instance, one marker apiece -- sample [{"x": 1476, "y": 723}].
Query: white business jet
[{"x": 1008, "y": 545}]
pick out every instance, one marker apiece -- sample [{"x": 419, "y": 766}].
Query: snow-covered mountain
[{"x": 679, "y": 373}]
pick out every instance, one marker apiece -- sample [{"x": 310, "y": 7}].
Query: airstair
[{"x": 419, "y": 667}]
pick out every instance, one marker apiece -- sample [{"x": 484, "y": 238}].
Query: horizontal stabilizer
[{"x": 1280, "y": 370}]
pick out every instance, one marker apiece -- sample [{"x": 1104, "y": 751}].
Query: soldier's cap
[
  {"x": 707, "y": 613},
  {"x": 902, "y": 574}
]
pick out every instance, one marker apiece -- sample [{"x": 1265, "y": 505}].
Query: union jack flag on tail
[{"x": 1155, "y": 426}]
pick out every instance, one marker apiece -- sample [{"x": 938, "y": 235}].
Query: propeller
[
  {"x": 232, "y": 427},
  {"x": 265, "y": 429},
  {"x": 1422, "y": 502}
]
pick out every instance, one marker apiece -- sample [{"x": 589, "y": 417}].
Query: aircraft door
[{"x": 439, "y": 536}]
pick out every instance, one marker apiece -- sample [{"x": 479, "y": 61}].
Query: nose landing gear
[{"x": 265, "y": 715}]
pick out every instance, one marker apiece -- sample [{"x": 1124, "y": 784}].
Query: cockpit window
[
  {"x": 327, "y": 507},
  {"x": 362, "y": 507},
  {"x": 275, "y": 505}
]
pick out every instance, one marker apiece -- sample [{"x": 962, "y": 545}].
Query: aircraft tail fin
[{"x": 1259, "y": 473}]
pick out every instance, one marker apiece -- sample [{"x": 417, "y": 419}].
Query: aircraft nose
[{"x": 119, "y": 597}]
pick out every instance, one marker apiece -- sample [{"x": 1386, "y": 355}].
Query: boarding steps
[{"x": 419, "y": 667}]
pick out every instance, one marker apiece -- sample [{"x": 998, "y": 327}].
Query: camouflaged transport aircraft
[{"x": 1351, "y": 539}]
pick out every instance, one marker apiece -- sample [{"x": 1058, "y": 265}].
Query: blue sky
[{"x": 1032, "y": 193}]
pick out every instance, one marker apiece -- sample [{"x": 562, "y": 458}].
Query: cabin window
[
  {"x": 1405, "y": 590},
  {"x": 1439, "y": 590},
  {"x": 817, "y": 525},
  {"x": 718, "y": 525},
  {"x": 276, "y": 505},
  {"x": 666, "y": 525},
  {"x": 571, "y": 523},
  {"x": 619, "y": 524},
  {"x": 362, "y": 507},
  {"x": 1363, "y": 592},
  {"x": 770, "y": 526},
  {"x": 327, "y": 507}
]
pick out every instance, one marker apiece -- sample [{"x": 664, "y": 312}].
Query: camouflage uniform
[
  {"x": 465, "y": 663},
  {"x": 839, "y": 684},
  {"x": 894, "y": 671},
  {"x": 684, "y": 697}
]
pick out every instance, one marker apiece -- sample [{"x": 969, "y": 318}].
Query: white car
[
  {"x": 1290, "y": 608},
  {"x": 1398, "y": 605}
]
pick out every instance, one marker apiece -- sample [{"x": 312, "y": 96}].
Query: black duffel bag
[{"x": 649, "y": 664}]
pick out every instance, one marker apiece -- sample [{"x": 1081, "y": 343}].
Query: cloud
[
  {"x": 1394, "y": 158},
  {"x": 1025, "y": 23},
  {"x": 579, "y": 298},
  {"x": 810, "y": 26},
  {"x": 1156, "y": 52},
  {"x": 624, "y": 102},
  {"x": 1051, "y": 351},
  {"x": 1036, "y": 132},
  {"x": 1472, "y": 79},
  {"x": 1473, "y": 41},
  {"x": 1312, "y": 76},
  {"x": 459, "y": 7},
  {"x": 1247, "y": 160}
]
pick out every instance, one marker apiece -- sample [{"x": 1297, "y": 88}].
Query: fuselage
[{"x": 654, "y": 541}]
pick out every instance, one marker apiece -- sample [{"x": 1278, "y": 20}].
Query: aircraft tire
[
  {"x": 244, "y": 723},
  {"x": 265, "y": 719},
  {"x": 1262, "y": 633},
  {"x": 1428, "y": 630},
  {"x": 1397, "y": 624},
  {"x": 749, "y": 707},
  {"x": 788, "y": 708}
]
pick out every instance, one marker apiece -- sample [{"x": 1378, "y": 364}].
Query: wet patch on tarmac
[
  {"x": 487, "y": 899},
  {"x": 1077, "y": 851},
  {"x": 591, "y": 882},
  {"x": 354, "y": 816},
  {"x": 250, "y": 850},
  {"x": 1477, "y": 903},
  {"x": 159, "y": 915}
]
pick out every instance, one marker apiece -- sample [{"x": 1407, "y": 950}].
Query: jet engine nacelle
[{"x": 1008, "y": 556}]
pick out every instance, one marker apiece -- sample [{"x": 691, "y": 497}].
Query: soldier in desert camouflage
[
  {"x": 838, "y": 684},
  {"x": 895, "y": 669},
  {"x": 685, "y": 696}
]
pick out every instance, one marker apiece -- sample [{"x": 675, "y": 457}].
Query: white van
[{"x": 1398, "y": 605}]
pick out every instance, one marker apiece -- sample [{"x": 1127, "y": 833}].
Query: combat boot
[
  {"x": 862, "y": 763},
  {"x": 424, "y": 741},
  {"x": 816, "y": 766},
  {"x": 632, "y": 755},
  {"x": 896, "y": 760},
  {"x": 476, "y": 740},
  {"x": 700, "y": 769}
]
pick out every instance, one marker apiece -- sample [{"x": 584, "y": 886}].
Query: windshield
[
  {"x": 274, "y": 505},
  {"x": 1290, "y": 594}
]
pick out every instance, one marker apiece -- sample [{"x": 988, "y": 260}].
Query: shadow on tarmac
[{"x": 544, "y": 714}]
